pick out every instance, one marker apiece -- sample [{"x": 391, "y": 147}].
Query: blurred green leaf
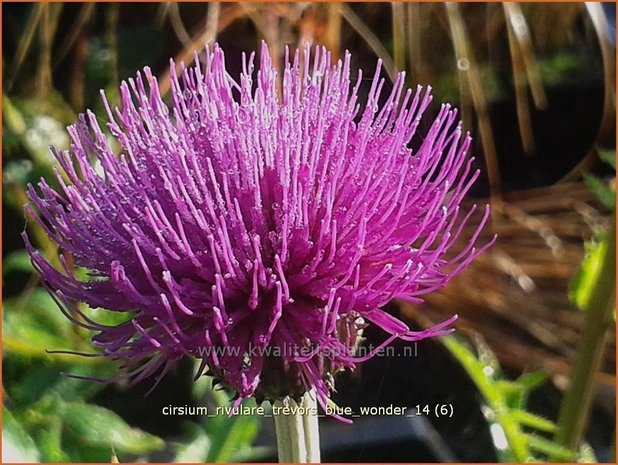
[
  {"x": 10, "y": 143},
  {"x": 40, "y": 304},
  {"x": 17, "y": 172},
  {"x": 24, "y": 334},
  {"x": 13, "y": 127},
  {"x": 34, "y": 324},
  {"x": 50, "y": 441},
  {"x": 97, "y": 426},
  {"x": 52, "y": 104},
  {"x": 231, "y": 436},
  {"x": 446, "y": 86},
  {"x": 30, "y": 387},
  {"x": 531, "y": 381},
  {"x": 550, "y": 448},
  {"x": 513, "y": 392},
  {"x": 17, "y": 445},
  {"x": 534, "y": 421},
  {"x": 105, "y": 317},
  {"x": 605, "y": 194},
  {"x": 18, "y": 260},
  {"x": 39, "y": 123},
  {"x": 562, "y": 67},
  {"x": 605, "y": 191},
  {"x": 42, "y": 387},
  {"x": 582, "y": 284},
  {"x": 81, "y": 453},
  {"x": 505, "y": 400},
  {"x": 13, "y": 117},
  {"x": 201, "y": 387},
  {"x": 196, "y": 448},
  {"x": 609, "y": 157},
  {"x": 70, "y": 388}
]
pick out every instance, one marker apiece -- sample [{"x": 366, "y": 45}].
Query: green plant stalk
[
  {"x": 298, "y": 437},
  {"x": 576, "y": 405},
  {"x": 493, "y": 398}
]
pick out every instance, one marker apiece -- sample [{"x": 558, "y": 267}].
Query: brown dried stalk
[{"x": 466, "y": 65}]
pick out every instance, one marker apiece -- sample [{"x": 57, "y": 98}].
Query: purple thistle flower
[{"x": 248, "y": 220}]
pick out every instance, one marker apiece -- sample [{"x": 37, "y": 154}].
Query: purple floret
[{"x": 256, "y": 225}]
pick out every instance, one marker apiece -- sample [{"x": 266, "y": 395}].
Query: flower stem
[
  {"x": 296, "y": 425},
  {"x": 577, "y": 402}
]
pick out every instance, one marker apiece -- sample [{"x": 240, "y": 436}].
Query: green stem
[
  {"x": 576, "y": 406},
  {"x": 296, "y": 425}
]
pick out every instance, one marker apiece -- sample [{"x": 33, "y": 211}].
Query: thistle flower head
[{"x": 258, "y": 224}]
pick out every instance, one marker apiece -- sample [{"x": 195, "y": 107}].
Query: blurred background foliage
[{"x": 534, "y": 83}]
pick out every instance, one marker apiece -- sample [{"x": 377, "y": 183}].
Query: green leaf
[
  {"x": 81, "y": 453},
  {"x": 39, "y": 305},
  {"x": 609, "y": 157},
  {"x": 100, "y": 427},
  {"x": 18, "y": 260},
  {"x": 509, "y": 387},
  {"x": 531, "y": 381},
  {"x": 33, "y": 324},
  {"x": 513, "y": 392},
  {"x": 605, "y": 194},
  {"x": 582, "y": 284},
  {"x": 73, "y": 389},
  {"x": 46, "y": 119},
  {"x": 106, "y": 317},
  {"x": 202, "y": 386},
  {"x": 231, "y": 436},
  {"x": 17, "y": 445},
  {"x": 502, "y": 397},
  {"x": 33, "y": 384},
  {"x": 16, "y": 175},
  {"x": 53, "y": 387},
  {"x": 534, "y": 421},
  {"x": 550, "y": 448},
  {"x": 12, "y": 117},
  {"x": 24, "y": 334},
  {"x": 50, "y": 441},
  {"x": 196, "y": 449},
  {"x": 560, "y": 67}
]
